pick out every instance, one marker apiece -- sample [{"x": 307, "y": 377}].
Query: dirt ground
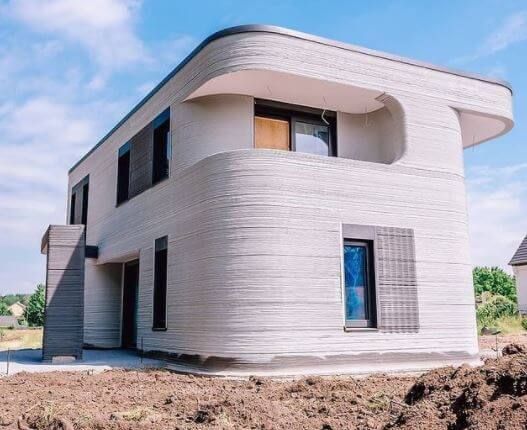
[
  {"x": 493, "y": 396},
  {"x": 489, "y": 342}
]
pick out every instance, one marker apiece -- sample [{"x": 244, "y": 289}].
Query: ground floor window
[
  {"x": 359, "y": 284},
  {"x": 160, "y": 284}
]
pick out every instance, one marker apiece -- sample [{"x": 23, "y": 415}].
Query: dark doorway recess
[{"x": 130, "y": 290}]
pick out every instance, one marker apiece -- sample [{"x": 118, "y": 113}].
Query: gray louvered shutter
[
  {"x": 141, "y": 153},
  {"x": 397, "y": 300}
]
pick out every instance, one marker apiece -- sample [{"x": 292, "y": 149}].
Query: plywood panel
[{"x": 271, "y": 133}]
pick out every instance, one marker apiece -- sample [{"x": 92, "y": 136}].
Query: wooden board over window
[{"x": 271, "y": 133}]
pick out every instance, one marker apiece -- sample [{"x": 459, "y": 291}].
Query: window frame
[
  {"x": 295, "y": 113},
  {"x": 121, "y": 152},
  {"x": 154, "y": 326},
  {"x": 371, "y": 300},
  {"x": 73, "y": 202},
  {"x": 162, "y": 120},
  {"x": 85, "y": 199}
]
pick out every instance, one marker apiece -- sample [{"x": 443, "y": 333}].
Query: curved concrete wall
[{"x": 254, "y": 235}]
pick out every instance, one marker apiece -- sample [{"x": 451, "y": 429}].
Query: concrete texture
[{"x": 30, "y": 360}]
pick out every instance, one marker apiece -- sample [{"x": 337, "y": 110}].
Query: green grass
[
  {"x": 506, "y": 325},
  {"x": 20, "y": 339}
]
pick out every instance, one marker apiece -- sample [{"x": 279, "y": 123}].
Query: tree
[
  {"x": 35, "y": 307},
  {"x": 4, "y": 309},
  {"x": 494, "y": 280}
]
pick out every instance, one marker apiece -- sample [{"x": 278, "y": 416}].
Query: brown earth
[
  {"x": 489, "y": 342},
  {"x": 493, "y": 396}
]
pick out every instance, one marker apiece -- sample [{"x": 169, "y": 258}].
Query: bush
[
  {"x": 524, "y": 323},
  {"x": 34, "y": 314},
  {"x": 494, "y": 308},
  {"x": 494, "y": 280}
]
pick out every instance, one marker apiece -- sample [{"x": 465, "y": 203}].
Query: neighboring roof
[
  {"x": 8, "y": 321},
  {"x": 520, "y": 256},
  {"x": 22, "y": 305},
  {"x": 258, "y": 28}
]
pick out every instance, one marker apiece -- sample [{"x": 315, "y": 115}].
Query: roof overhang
[{"x": 473, "y": 133}]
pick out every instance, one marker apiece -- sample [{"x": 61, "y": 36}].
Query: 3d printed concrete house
[
  {"x": 280, "y": 203},
  {"x": 519, "y": 267}
]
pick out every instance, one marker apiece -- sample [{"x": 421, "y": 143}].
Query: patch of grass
[
  {"x": 21, "y": 339},
  {"x": 510, "y": 325}
]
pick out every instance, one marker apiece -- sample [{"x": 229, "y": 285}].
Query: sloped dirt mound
[{"x": 493, "y": 396}]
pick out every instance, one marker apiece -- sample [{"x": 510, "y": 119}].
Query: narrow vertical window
[
  {"x": 72, "y": 208},
  {"x": 160, "y": 284},
  {"x": 359, "y": 294},
  {"x": 161, "y": 150},
  {"x": 84, "y": 214},
  {"x": 123, "y": 173}
]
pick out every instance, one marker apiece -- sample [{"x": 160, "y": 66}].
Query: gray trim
[
  {"x": 64, "y": 303},
  {"x": 292, "y": 33}
]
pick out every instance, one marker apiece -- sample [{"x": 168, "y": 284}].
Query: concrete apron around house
[{"x": 30, "y": 360}]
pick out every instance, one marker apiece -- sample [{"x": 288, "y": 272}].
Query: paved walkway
[{"x": 30, "y": 360}]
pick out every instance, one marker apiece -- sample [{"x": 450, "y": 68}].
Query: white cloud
[
  {"x": 511, "y": 31},
  {"x": 497, "y": 199},
  {"x": 104, "y": 28},
  {"x": 51, "y": 114}
]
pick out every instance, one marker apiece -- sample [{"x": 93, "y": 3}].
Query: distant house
[
  {"x": 8, "y": 322},
  {"x": 17, "y": 309},
  {"x": 519, "y": 267}
]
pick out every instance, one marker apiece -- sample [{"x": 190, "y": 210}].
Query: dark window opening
[
  {"x": 72, "y": 208},
  {"x": 84, "y": 213},
  {"x": 359, "y": 284},
  {"x": 160, "y": 284},
  {"x": 123, "y": 173},
  {"x": 294, "y": 128},
  {"x": 161, "y": 155}
]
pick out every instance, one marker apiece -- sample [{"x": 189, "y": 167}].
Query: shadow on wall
[{"x": 377, "y": 137}]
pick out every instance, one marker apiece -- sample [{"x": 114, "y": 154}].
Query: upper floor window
[
  {"x": 123, "y": 173},
  {"x": 161, "y": 149},
  {"x": 72, "y": 207},
  {"x": 79, "y": 202},
  {"x": 294, "y": 128},
  {"x": 84, "y": 212},
  {"x": 359, "y": 284}
]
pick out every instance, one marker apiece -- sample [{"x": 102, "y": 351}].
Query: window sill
[
  {"x": 159, "y": 329},
  {"x": 348, "y": 329}
]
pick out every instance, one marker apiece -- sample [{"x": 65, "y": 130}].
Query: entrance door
[{"x": 130, "y": 290}]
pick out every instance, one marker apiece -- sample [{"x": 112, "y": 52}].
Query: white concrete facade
[
  {"x": 520, "y": 273},
  {"x": 255, "y": 236}
]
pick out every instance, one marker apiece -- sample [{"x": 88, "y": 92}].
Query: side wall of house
[
  {"x": 102, "y": 305},
  {"x": 254, "y": 254},
  {"x": 520, "y": 272}
]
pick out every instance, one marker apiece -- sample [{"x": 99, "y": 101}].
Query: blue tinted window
[{"x": 356, "y": 281}]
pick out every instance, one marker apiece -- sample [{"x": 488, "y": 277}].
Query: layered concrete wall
[
  {"x": 255, "y": 236},
  {"x": 64, "y": 311}
]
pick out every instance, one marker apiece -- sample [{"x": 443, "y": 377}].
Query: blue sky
[{"x": 69, "y": 70}]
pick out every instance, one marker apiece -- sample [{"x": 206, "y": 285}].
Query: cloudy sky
[{"x": 69, "y": 70}]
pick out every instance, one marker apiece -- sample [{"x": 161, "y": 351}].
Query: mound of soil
[
  {"x": 493, "y": 396},
  {"x": 489, "y": 397}
]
